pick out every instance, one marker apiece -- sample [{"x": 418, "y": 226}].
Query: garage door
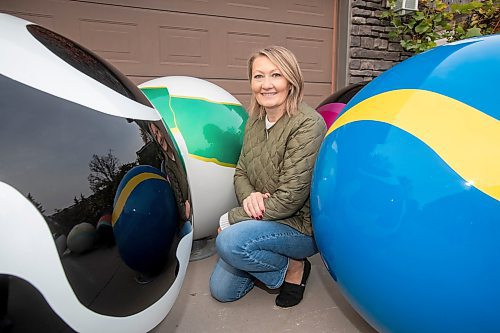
[{"x": 209, "y": 39}]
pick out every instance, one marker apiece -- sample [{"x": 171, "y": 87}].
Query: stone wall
[{"x": 371, "y": 52}]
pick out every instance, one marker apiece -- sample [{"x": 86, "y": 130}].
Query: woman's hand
[
  {"x": 187, "y": 207},
  {"x": 254, "y": 205}
]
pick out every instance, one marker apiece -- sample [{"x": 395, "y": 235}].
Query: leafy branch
[
  {"x": 435, "y": 20},
  {"x": 476, "y": 19}
]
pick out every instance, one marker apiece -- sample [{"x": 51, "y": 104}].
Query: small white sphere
[{"x": 81, "y": 238}]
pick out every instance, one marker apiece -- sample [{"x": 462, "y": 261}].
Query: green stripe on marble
[{"x": 212, "y": 131}]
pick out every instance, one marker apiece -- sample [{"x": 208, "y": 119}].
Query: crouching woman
[{"x": 269, "y": 237}]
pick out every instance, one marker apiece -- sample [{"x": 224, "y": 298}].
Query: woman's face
[
  {"x": 156, "y": 132},
  {"x": 269, "y": 86}
]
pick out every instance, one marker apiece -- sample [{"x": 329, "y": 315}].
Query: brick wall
[{"x": 371, "y": 52}]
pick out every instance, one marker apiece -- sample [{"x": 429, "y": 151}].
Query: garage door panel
[
  {"x": 117, "y": 34},
  {"x": 310, "y": 44},
  {"x": 310, "y": 12},
  {"x": 42, "y": 8},
  {"x": 312, "y": 48},
  {"x": 41, "y": 19},
  {"x": 39, "y": 12},
  {"x": 255, "y": 5},
  {"x": 219, "y": 47},
  {"x": 116, "y": 41},
  {"x": 315, "y": 93},
  {"x": 220, "y": 51},
  {"x": 184, "y": 45},
  {"x": 239, "y": 46},
  {"x": 302, "y": 12}
]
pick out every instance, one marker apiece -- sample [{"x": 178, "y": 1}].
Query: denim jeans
[{"x": 255, "y": 249}]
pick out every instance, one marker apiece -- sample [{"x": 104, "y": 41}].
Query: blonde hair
[{"x": 288, "y": 65}]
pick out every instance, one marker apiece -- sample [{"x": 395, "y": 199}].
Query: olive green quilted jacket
[{"x": 280, "y": 162}]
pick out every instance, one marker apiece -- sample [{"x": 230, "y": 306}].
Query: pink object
[{"x": 330, "y": 112}]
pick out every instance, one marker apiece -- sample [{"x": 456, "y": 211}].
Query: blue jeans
[{"x": 255, "y": 249}]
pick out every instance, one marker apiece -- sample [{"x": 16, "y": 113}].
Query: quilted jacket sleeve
[
  {"x": 242, "y": 185},
  {"x": 296, "y": 173}
]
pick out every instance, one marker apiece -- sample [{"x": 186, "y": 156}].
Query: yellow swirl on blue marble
[
  {"x": 467, "y": 139},
  {"x": 127, "y": 190}
]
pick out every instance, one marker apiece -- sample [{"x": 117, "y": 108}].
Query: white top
[{"x": 269, "y": 124}]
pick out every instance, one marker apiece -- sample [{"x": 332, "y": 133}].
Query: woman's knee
[
  {"x": 227, "y": 284},
  {"x": 228, "y": 243},
  {"x": 217, "y": 291}
]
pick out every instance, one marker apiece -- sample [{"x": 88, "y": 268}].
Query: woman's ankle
[{"x": 295, "y": 271}]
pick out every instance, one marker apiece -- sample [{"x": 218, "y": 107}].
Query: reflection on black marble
[{"x": 68, "y": 161}]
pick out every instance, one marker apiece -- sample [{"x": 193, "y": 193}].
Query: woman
[
  {"x": 269, "y": 237},
  {"x": 174, "y": 171}
]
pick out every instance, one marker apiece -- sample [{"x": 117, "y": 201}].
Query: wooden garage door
[{"x": 209, "y": 39}]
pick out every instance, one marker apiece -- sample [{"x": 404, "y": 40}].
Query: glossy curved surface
[
  {"x": 331, "y": 107},
  {"x": 63, "y": 160},
  {"x": 68, "y": 161},
  {"x": 37, "y": 261},
  {"x": 411, "y": 239},
  {"x": 208, "y": 125},
  {"x": 145, "y": 219},
  {"x": 343, "y": 95},
  {"x": 465, "y": 71},
  {"x": 466, "y": 131},
  {"x": 212, "y": 130},
  {"x": 330, "y": 112}
]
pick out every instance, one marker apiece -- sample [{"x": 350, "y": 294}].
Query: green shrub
[{"x": 435, "y": 20}]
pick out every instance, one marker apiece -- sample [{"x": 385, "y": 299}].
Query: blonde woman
[{"x": 269, "y": 237}]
